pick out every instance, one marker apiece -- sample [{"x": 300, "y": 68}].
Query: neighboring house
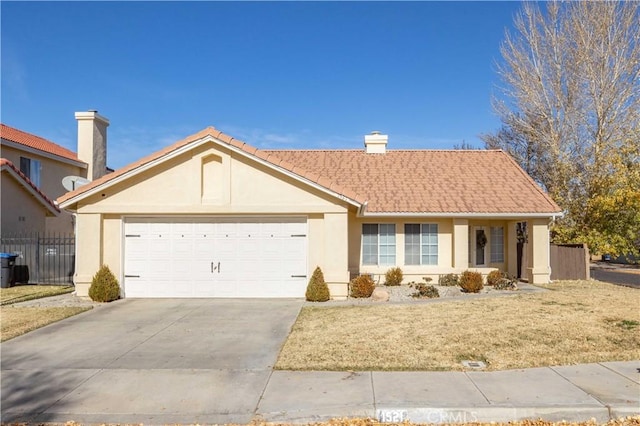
[
  {"x": 41, "y": 166},
  {"x": 211, "y": 216},
  {"x": 24, "y": 207}
]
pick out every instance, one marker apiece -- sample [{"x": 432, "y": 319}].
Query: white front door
[{"x": 263, "y": 257}]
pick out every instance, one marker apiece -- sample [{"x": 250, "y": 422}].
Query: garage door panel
[
  {"x": 242, "y": 258},
  {"x": 158, "y": 267}
]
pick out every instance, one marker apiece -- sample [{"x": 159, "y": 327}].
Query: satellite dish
[{"x": 71, "y": 183}]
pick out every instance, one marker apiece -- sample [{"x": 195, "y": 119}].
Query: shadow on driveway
[{"x": 148, "y": 360}]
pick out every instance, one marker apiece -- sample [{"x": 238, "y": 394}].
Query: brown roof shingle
[
  {"x": 403, "y": 181},
  {"x": 429, "y": 181},
  {"x": 229, "y": 140},
  {"x": 36, "y": 142}
]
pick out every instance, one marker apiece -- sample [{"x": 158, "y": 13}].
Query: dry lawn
[
  {"x": 22, "y": 293},
  {"x": 17, "y": 321},
  {"x": 575, "y": 322}
]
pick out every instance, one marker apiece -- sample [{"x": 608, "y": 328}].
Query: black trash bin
[{"x": 6, "y": 273}]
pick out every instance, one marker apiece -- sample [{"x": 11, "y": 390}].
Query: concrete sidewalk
[
  {"x": 186, "y": 396},
  {"x": 573, "y": 393}
]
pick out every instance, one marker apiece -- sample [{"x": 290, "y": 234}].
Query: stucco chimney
[
  {"x": 92, "y": 142},
  {"x": 375, "y": 143}
]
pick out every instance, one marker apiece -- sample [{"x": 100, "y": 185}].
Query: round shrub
[
  {"x": 449, "y": 280},
  {"x": 507, "y": 283},
  {"x": 317, "y": 289},
  {"x": 494, "y": 277},
  {"x": 104, "y": 286},
  {"x": 393, "y": 277},
  {"x": 471, "y": 282},
  {"x": 424, "y": 290},
  {"x": 361, "y": 286}
]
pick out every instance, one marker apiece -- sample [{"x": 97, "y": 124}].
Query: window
[
  {"x": 378, "y": 244},
  {"x": 421, "y": 244},
  {"x": 497, "y": 244},
  {"x": 31, "y": 169}
]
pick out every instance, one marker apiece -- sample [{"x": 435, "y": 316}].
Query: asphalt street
[{"x": 628, "y": 279}]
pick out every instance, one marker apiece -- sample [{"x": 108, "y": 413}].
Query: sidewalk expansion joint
[
  {"x": 477, "y": 387},
  {"x": 619, "y": 374}
]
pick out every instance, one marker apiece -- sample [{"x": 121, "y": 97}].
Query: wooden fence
[
  {"x": 569, "y": 262},
  {"x": 42, "y": 258}
]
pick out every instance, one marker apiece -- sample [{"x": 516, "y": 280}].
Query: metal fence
[
  {"x": 569, "y": 262},
  {"x": 42, "y": 258}
]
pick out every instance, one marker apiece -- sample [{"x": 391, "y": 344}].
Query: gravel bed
[
  {"x": 62, "y": 300},
  {"x": 403, "y": 294}
]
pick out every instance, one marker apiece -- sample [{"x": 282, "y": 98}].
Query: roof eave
[
  {"x": 69, "y": 203},
  {"x": 462, "y": 215},
  {"x": 51, "y": 208},
  {"x": 295, "y": 176},
  {"x": 45, "y": 154}
]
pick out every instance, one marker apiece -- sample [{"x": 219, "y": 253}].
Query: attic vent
[{"x": 375, "y": 143}]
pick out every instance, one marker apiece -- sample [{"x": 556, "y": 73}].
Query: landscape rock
[
  {"x": 450, "y": 291},
  {"x": 380, "y": 295}
]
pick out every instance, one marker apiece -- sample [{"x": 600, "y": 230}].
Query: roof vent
[{"x": 375, "y": 143}]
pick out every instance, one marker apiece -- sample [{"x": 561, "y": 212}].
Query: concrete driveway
[{"x": 148, "y": 361}]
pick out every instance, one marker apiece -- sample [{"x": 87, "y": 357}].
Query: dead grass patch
[
  {"x": 17, "y": 321},
  {"x": 22, "y": 293},
  {"x": 577, "y": 322}
]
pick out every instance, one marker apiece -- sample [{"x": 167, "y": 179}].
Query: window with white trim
[
  {"x": 497, "y": 244},
  {"x": 378, "y": 244},
  {"x": 31, "y": 169},
  {"x": 420, "y": 244}
]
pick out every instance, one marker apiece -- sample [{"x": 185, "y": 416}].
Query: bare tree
[
  {"x": 570, "y": 111},
  {"x": 463, "y": 145}
]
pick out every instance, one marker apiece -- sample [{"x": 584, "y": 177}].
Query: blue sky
[{"x": 276, "y": 75}]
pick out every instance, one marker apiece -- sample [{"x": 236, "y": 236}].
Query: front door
[{"x": 480, "y": 246}]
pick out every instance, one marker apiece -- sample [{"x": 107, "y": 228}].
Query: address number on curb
[{"x": 392, "y": 416}]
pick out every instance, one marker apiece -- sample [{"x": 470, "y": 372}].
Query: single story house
[{"x": 211, "y": 216}]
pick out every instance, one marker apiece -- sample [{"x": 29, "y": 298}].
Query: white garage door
[{"x": 226, "y": 258}]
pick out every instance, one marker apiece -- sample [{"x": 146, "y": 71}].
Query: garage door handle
[
  {"x": 213, "y": 268},
  {"x": 298, "y": 276},
  {"x": 132, "y": 276}
]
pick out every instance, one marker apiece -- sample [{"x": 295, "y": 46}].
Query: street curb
[{"x": 438, "y": 415}]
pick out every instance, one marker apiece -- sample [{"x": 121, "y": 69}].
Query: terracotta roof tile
[
  {"x": 4, "y": 163},
  {"x": 36, "y": 142}
]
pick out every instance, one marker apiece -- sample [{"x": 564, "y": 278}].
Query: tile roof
[
  {"x": 24, "y": 180},
  {"x": 403, "y": 181},
  {"x": 36, "y": 142},
  {"x": 429, "y": 181},
  {"x": 229, "y": 140}
]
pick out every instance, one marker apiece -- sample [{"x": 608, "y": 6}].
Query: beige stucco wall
[
  {"x": 539, "y": 271},
  {"x": 51, "y": 173},
  {"x": 410, "y": 272},
  {"x": 455, "y": 247},
  {"x": 20, "y": 211},
  {"x": 244, "y": 188}
]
